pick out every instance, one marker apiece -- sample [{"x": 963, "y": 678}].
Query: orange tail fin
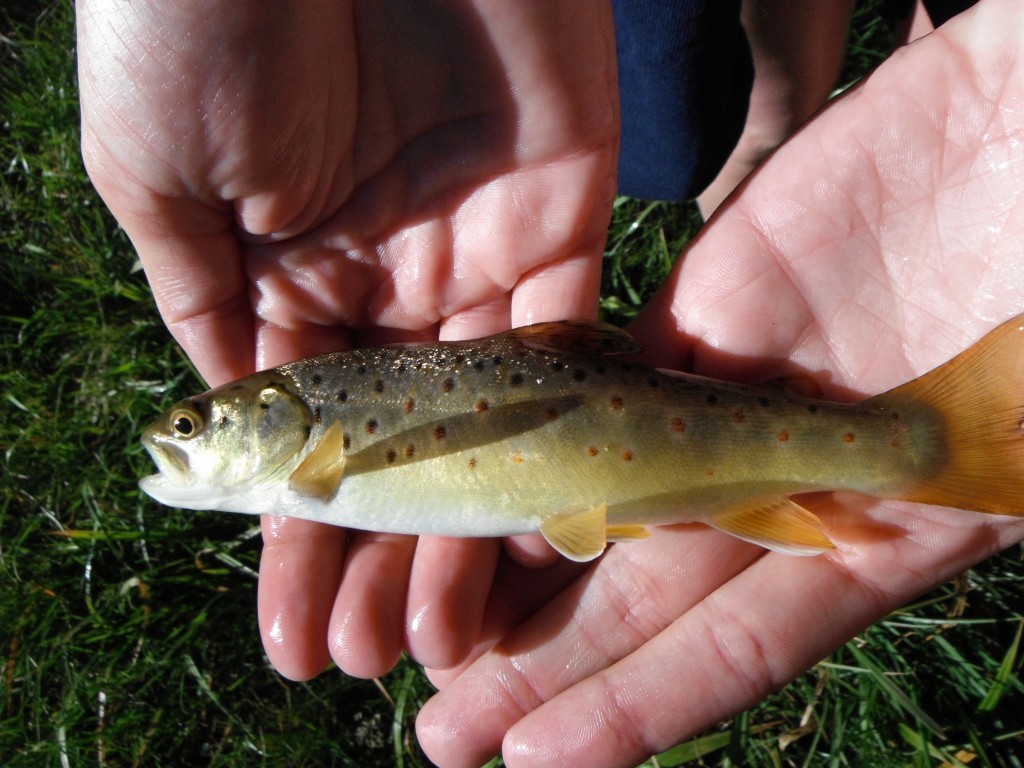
[{"x": 980, "y": 396}]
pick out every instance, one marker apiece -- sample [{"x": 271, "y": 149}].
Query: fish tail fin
[{"x": 979, "y": 398}]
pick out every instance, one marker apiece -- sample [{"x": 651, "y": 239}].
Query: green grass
[{"x": 128, "y": 630}]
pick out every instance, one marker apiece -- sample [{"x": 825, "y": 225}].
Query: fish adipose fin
[
  {"x": 319, "y": 475},
  {"x": 580, "y": 536},
  {"x": 979, "y": 395},
  {"x": 777, "y": 523},
  {"x": 583, "y": 337}
]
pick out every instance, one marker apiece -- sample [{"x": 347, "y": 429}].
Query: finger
[
  {"x": 517, "y": 593},
  {"x": 448, "y": 589},
  {"x": 632, "y": 594},
  {"x": 299, "y": 573},
  {"x": 366, "y": 633}
]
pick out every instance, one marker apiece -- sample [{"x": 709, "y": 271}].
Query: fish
[{"x": 552, "y": 428}]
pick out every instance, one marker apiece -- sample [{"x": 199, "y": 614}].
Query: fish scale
[{"x": 542, "y": 428}]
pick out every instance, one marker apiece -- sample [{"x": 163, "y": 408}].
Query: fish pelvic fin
[
  {"x": 579, "y": 536},
  {"x": 319, "y": 474},
  {"x": 979, "y": 396},
  {"x": 778, "y": 523}
]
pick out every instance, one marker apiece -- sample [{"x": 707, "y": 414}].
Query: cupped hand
[
  {"x": 297, "y": 177},
  {"x": 880, "y": 241}
]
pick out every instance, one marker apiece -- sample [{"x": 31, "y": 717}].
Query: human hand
[
  {"x": 298, "y": 177},
  {"x": 880, "y": 241}
]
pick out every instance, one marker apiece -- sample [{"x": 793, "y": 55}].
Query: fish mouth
[{"x": 172, "y": 464}]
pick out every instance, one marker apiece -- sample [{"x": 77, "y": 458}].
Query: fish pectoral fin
[
  {"x": 778, "y": 523},
  {"x": 319, "y": 475},
  {"x": 627, "y": 532},
  {"x": 579, "y": 536},
  {"x": 585, "y": 337}
]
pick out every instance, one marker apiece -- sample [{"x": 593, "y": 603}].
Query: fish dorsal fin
[
  {"x": 319, "y": 475},
  {"x": 579, "y": 536},
  {"x": 585, "y": 337},
  {"x": 777, "y": 523}
]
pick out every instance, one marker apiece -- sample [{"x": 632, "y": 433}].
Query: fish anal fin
[
  {"x": 777, "y": 523},
  {"x": 319, "y": 475},
  {"x": 584, "y": 337},
  {"x": 627, "y": 532},
  {"x": 579, "y": 536}
]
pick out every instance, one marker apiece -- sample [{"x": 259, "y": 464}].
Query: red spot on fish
[
  {"x": 739, "y": 417},
  {"x": 410, "y": 405},
  {"x": 710, "y": 472},
  {"x": 592, "y": 451},
  {"x": 678, "y": 425},
  {"x": 410, "y": 451},
  {"x": 551, "y": 414},
  {"x": 449, "y": 385},
  {"x": 371, "y": 426},
  {"x": 517, "y": 458},
  {"x": 440, "y": 433},
  {"x": 617, "y": 403},
  {"x": 849, "y": 437},
  {"x": 784, "y": 436},
  {"x": 481, "y": 406},
  {"x": 627, "y": 455},
  {"x": 472, "y": 463}
]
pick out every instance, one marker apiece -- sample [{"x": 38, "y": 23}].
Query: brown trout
[{"x": 543, "y": 429}]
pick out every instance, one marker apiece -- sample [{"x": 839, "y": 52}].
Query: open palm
[
  {"x": 881, "y": 240},
  {"x": 298, "y": 177}
]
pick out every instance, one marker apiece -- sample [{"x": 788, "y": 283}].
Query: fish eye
[{"x": 185, "y": 423}]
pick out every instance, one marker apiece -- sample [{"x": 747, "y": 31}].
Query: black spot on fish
[
  {"x": 479, "y": 365},
  {"x": 711, "y": 399},
  {"x": 224, "y": 421},
  {"x": 739, "y": 417},
  {"x": 316, "y": 415},
  {"x": 449, "y": 385},
  {"x": 579, "y": 374},
  {"x": 402, "y": 368},
  {"x": 371, "y": 426},
  {"x": 600, "y": 369},
  {"x": 361, "y": 370},
  {"x": 516, "y": 379},
  {"x": 237, "y": 387},
  {"x": 460, "y": 359},
  {"x": 341, "y": 396},
  {"x": 317, "y": 378},
  {"x": 894, "y": 415},
  {"x": 812, "y": 408},
  {"x": 309, "y": 431},
  {"x": 627, "y": 368},
  {"x": 264, "y": 406},
  {"x": 440, "y": 433},
  {"x": 617, "y": 403},
  {"x": 472, "y": 463},
  {"x": 346, "y": 442},
  {"x": 497, "y": 360},
  {"x": 558, "y": 365},
  {"x": 764, "y": 401},
  {"x": 551, "y": 414},
  {"x": 378, "y": 385},
  {"x": 391, "y": 456},
  {"x": 410, "y": 451}
]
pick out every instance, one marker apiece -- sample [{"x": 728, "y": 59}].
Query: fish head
[{"x": 228, "y": 442}]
